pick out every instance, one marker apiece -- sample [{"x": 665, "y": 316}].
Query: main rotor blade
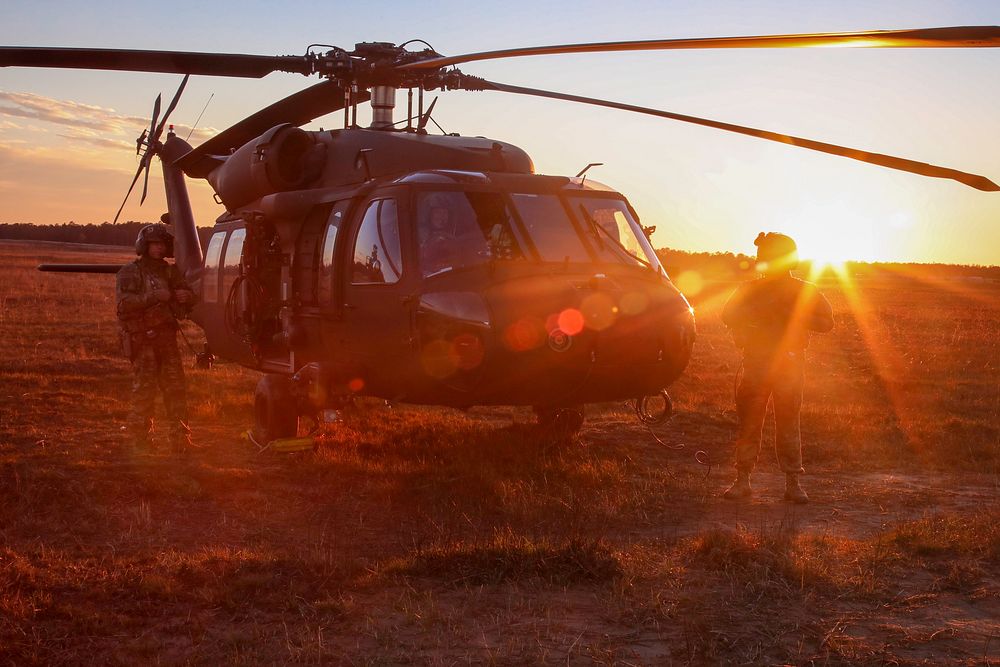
[
  {"x": 957, "y": 37},
  {"x": 171, "y": 107},
  {"x": 175, "y": 62},
  {"x": 902, "y": 164},
  {"x": 298, "y": 109}
]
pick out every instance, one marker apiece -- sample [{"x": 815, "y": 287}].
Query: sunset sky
[{"x": 67, "y": 137}]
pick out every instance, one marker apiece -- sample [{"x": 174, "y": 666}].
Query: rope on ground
[{"x": 648, "y": 419}]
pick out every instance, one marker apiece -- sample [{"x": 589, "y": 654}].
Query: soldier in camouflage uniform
[
  {"x": 152, "y": 295},
  {"x": 771, "y": 319}
]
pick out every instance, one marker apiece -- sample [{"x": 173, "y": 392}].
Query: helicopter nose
[
  {"x": 543, "y": 340},
  {"x": 577, "y": 340}
]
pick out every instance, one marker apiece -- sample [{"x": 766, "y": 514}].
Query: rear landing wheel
[{"x": 275, "y": 414}]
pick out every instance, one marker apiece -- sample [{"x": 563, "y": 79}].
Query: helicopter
[{"x": 429, "y": 269}]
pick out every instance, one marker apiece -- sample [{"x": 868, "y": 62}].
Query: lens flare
[
  {"x": 690, "y": 283},
  {"x": 599, "y": 311},
  {"x": 571, "y": 321},
  {"x": 439, "y": 359},
  {"x": 525, "y": 334},
  {"x": 633, "y": 303}
]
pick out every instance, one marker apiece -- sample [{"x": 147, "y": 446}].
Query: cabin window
[
  {"x": 231, "y": 265},
  {"x": 326, "y": 268},
  {"x": 210, "y": 275},
  {"x": 377, "y": 257},
  {"x": 550, "y": 228},
  {"x": 614, "y": 234},
  {"x": 458, "y": 229}
]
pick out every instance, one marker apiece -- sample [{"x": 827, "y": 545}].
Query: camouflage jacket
[
  {"x": 138, "y": 308},
  {"x": 776, "y": 314}
]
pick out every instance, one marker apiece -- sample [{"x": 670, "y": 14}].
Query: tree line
[
  {"x": 120, "y": 234},
  {"x": 710, "y": 265}
]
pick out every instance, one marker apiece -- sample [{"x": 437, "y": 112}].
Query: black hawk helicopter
[{"x": 389, "y": 262}]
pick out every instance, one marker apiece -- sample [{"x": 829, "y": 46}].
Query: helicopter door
[{"x": 377, "y": 322}]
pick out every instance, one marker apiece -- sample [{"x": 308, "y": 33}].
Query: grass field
[{"x": 431, "y": 536}]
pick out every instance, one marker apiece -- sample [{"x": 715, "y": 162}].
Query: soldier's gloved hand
[
  {"x": 184, "y": 296},
  {"x": 162, "y": 295}
]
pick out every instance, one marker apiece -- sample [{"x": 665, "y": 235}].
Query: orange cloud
[{"x": 84, "y": 117}]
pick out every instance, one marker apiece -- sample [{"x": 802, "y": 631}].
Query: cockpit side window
[
  {"x": 377, "y": 257},
  {"x": 457, "y": 229},
  {"x": 210, "y": 275}
]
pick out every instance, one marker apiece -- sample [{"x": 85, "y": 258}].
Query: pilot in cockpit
[{"x": 439, "y": 245}]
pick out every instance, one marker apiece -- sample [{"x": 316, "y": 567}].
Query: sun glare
[{"x": 830, "y": 237}]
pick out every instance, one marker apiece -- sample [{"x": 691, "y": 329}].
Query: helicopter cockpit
[
  {"x": 462, "y": 229},
  {"x": 551, "y": 275}
]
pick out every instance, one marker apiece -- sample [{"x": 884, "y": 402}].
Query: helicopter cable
[
  {"x": 198, "y": 119},
  {"x": 411, "y": 41},
  {"x": 701, "y": 456},
  {"x": 325, "y": 46},
  {"x": 438, "y": 126}
]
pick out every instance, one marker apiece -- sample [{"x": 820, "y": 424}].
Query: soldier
[
  {"x": 771, "y": 319},
  {"x": 152, "y": 295}
]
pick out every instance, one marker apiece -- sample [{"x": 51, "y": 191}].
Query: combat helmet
[
  {"x": 150, "y": 233},
  {"x": 776, "y": 252}
]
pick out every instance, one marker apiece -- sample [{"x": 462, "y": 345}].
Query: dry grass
[{"x": 424, "y": 536}]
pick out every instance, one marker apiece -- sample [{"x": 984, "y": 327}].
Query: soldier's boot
[
  {"x": 180, "y": 438},
  {"x": 740, "y": 488},
  {"x": 794, "y": 492}
]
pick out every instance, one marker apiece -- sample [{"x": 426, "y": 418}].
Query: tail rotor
[{"x": 150, "y": 141}]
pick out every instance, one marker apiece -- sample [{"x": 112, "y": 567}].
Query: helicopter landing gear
[
  {"x": 274, "y": 409},
  {"x": 562, "y": 422}
]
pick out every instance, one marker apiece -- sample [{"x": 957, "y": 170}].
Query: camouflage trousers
[
  {"x": 776, "y": 378},
  {"x": 156, "y": 362}
]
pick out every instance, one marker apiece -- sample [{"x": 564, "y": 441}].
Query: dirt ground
[{"x": 435, "y": 537}]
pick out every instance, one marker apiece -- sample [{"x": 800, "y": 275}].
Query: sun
[
  {"x": 824, "y": 260},
  {"x": 832, "y": 237}
]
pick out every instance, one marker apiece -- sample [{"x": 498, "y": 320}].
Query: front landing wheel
[{"x": 274, "y": 411}]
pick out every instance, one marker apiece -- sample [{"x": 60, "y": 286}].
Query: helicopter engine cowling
[{"x": 283, "y": 158}]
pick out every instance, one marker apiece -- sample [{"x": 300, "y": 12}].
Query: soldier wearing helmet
[
  {"x": 152, "y": 295},
  {"x": 771, "y": 319}
]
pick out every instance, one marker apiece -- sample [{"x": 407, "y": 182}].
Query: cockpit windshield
[
  {"x": 614, "y": 233},
  {"x": 463, "y": 228},
  {"x": 459, "y": 229}
]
